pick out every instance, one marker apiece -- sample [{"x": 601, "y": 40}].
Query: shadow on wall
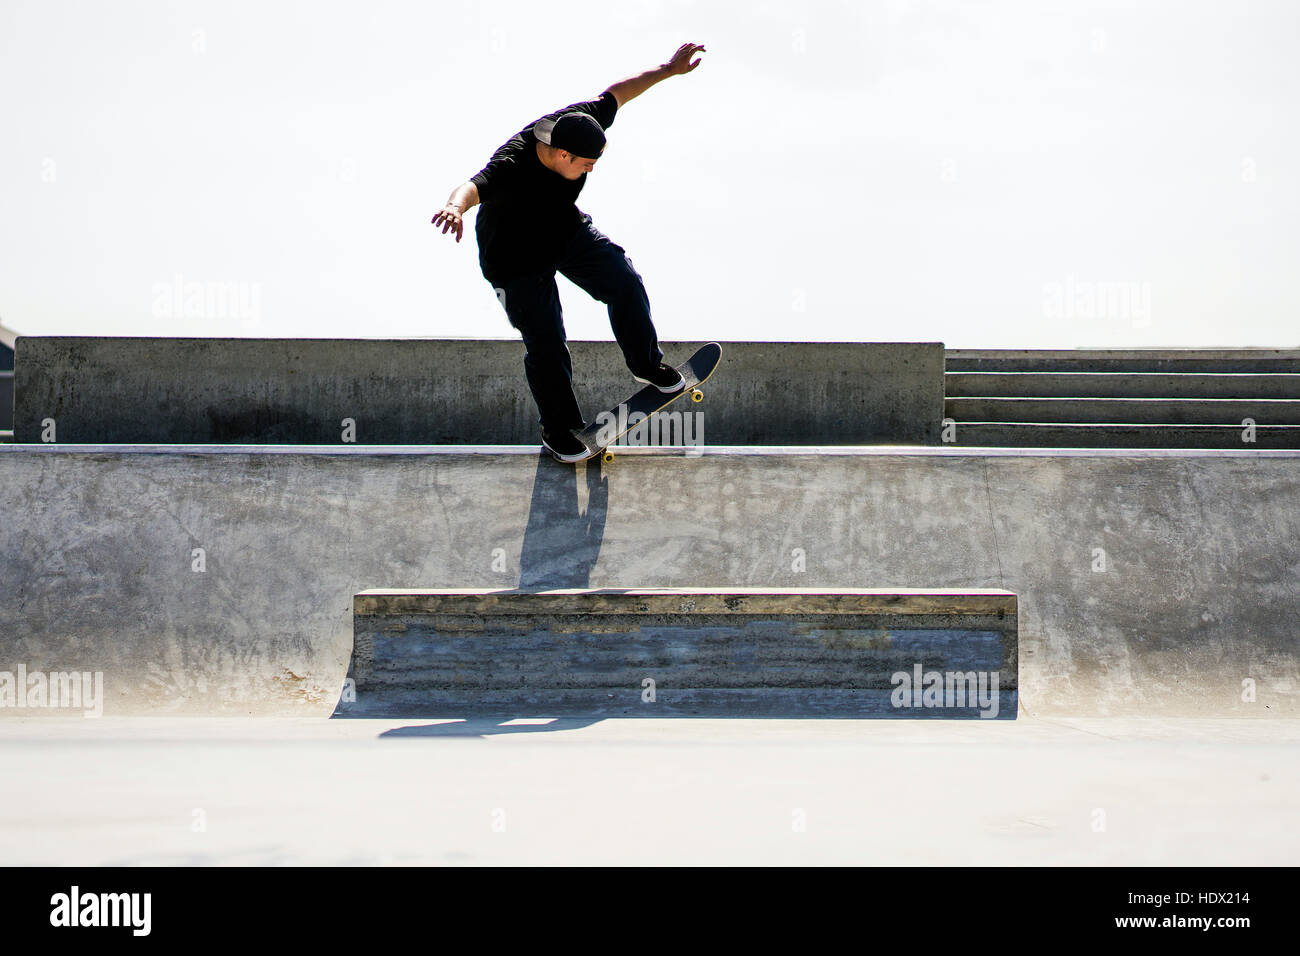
[
  {"x": 562, "y": 541},
  {"x": 566, "y": 525}
]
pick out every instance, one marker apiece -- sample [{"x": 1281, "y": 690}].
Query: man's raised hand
[{"x": 681, "y": 61}]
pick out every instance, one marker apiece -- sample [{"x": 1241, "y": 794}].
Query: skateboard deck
[{"x": 610, "y": 426}]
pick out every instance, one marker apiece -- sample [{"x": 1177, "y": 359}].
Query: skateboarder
[{"x": 529, "y": 228}]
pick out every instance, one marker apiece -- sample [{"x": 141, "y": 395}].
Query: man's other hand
[{"x": 449, "y": 217}]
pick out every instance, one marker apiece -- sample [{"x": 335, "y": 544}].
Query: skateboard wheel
[
  {"x": 607, "y": 457},
  {"x": 697, "y": 395}
]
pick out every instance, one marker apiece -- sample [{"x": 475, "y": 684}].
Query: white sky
[{"x": 990, "y": 175}]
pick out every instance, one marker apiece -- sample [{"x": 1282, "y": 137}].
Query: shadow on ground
[{"x": 484, "y": 727}]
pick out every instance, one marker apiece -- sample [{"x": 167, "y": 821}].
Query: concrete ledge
[
  {"x": 1122, "y": 385},
  {"x": 451, "y": 391},
  {"x": 491, "y": 601},
  {"x": 126, "y": 452},
  {"x": 1032, "y": 434},
  {"x": 1123, "y": 360},
  {"x": 1126, "y": 411},
  {"x": 791, "y": 652}
]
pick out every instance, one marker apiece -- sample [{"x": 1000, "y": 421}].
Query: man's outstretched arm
[{"x": 634, "y": 86}]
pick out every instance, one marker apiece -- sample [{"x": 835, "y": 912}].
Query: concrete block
[{"x": 792, "y": 652}]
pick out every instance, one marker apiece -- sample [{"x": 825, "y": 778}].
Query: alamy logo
[
  {"x": 1085, "y": 299},
  {"x": 946, "y": 689},
  {"x": 658, "y": 428},
  {"x": 72, "y": 689},
  {"x": 102, "y": 909},
  {"x": 189, "y": 299}
]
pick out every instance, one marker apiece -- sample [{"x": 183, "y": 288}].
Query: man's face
[{"x": 571, "y": 167}]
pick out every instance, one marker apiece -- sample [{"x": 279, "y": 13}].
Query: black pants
[{"x": 602, "y": 269}]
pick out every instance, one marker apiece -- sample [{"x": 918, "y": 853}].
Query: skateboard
[{"x": 610, "y": 426}]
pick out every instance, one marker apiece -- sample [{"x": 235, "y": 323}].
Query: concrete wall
[
  {"x": 1150, "y": 584},
  {"x": 431, "y": 391}
]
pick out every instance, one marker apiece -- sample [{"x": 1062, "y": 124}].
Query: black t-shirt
[{"x": 528, "y": 212}]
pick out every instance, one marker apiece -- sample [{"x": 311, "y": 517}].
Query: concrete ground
[{"x": 649, "y": 792}]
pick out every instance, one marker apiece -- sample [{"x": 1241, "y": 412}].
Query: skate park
[
  {"x": 245, "y": 587},
  {"x": 980, "y": 549}
]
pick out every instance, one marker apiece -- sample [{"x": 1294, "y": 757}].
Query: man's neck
[{"x": 542, "y": 158}]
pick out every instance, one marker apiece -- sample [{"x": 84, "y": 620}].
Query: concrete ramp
[
  {"x": 1151, "y": 584},
  {"x": 779, "y": 652}
]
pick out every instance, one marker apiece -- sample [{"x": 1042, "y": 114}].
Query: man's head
[{"x": 570, "y": 144}]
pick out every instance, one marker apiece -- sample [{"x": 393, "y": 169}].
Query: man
[{"x": 529, "y": 228}]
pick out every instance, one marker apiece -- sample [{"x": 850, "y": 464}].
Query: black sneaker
[
  {"x": 665, "y": 378},
  {"x": 564, "y": 446}
]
